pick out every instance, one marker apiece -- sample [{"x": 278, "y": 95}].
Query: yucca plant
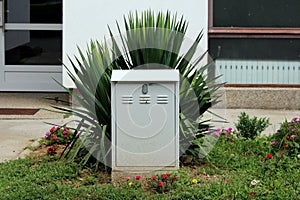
[{"x": 149, "y": 41}]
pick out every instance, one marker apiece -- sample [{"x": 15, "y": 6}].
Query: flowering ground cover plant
[
  {"x": 286, "y": 141},
  {"x": 52, "y": 150},
  {"x": 229, "y": 133},
  {"x": 135, "y": 182},
  {"x": 162, "y": 183},
  {"x": 58, "y": 135},
  {"x": 156, "y": 184},
  {"x": 241, "y": 169}
]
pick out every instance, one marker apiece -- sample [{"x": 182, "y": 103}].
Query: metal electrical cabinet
[{"x": 145, "y": 119}]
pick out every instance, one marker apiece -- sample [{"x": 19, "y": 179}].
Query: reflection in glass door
[{"x": 31, "y": 40}]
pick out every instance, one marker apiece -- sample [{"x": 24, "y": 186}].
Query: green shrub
[
  {"x": 251, "y": 128},
  {"x": 149, "y": 40},
  {"x": 286, "y": 141}
]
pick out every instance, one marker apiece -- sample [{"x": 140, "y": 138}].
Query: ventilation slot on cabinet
[
  {"x": 145, "y": 99},
  {"x": 162, "y": 99},
  {"x": 127, "y": 99}
]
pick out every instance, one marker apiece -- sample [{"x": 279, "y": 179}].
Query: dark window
[
  {"x": 33, "y": 47},
  {"x": 257, "y": 49},
  {"x": 34, "y": 11},
  {"x": 256, "y": 13}
]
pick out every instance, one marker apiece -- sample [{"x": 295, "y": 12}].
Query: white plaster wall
[{"x": 86, "y": 20}]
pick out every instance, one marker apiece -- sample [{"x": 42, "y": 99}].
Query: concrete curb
[{"x": 27, "y": 151}]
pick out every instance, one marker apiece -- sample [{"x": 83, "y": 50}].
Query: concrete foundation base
[
  {"x": 120, "y": 177},
  {"x": 260, "y": 98}
]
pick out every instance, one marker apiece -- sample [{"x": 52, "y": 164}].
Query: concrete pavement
[
  {"x": 16, "y": 134},
  {"x": 19, "y": 131}
]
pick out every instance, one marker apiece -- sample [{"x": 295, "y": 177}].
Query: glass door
[{"x": 30, "y": 45}]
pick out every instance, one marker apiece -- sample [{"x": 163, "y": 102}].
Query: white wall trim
[{"x": 25, "y": 26}]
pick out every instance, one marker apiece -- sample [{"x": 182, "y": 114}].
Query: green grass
[{"x": 226, "y": 174}]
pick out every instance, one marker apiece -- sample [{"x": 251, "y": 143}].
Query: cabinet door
[{"x": 145, "y": 124}]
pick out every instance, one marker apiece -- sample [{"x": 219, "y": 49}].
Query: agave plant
[{"x": 148, "y": 41}]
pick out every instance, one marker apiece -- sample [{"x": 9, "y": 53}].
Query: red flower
[
  {"x": 287, "y": 137},
  {"x": 52, "y": 129},
  {"x": 174, "y": 178},
  {"x": 252, "y": 193},
  {"x": 168, "y": 175},
  {"x": 54, "y": 138},
  {"x": 153, "y": 177},
  {"x": 52, "y": 150},
  {"x": 160, "y": 184},
  {"x": 66, "y": 137},
  {"x": 165, "y": 176},
  {"x": 137, "y": 177},
  {"x": 269, "y": 156}
]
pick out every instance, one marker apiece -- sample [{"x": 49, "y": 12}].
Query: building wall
[
  {"x": 255, "y": 44},
  {"x": 86, "y": 20}
]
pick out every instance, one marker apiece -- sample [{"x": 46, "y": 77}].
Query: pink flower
[
  {"x": 218, "y": 129},
  {"x": 274, "y": 143},
  {"x": 47, "y": 134},
  {"x": 54, "y": 138},
  {"x": 292, "y": 129},
  {"x": 296, "y": 119},
  {"x": 127, "y": 178},
  {"x": 65, "y": 132},
  {"x": 225, "y": 131},
  {"x": 217, "y": 134},
  {"x": 293, "y": 136},
  {"x": 229, "y": 129},
  {"x": 138, "y": 177}
]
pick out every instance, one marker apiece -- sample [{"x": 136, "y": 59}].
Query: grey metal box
[{"x": 145, "y": 119}]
